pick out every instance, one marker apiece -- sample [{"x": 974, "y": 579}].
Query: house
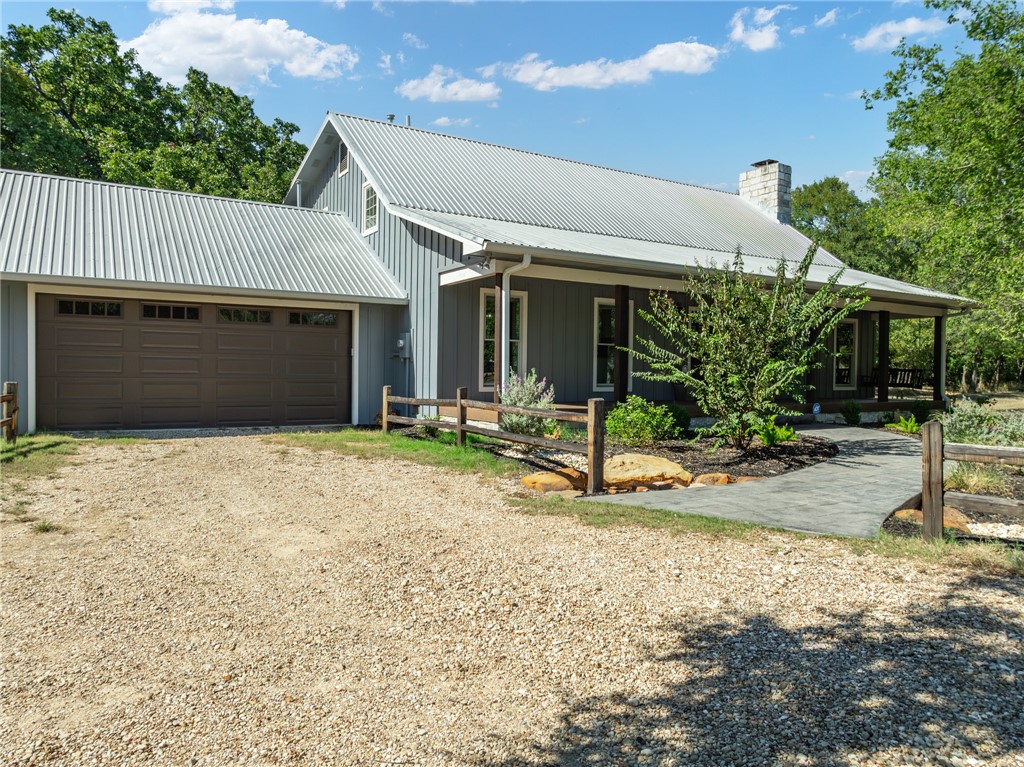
[{"x": 399, "y": 256}]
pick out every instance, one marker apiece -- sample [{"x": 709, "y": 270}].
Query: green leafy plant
[
  {"x": 637, "y": 422},
  {"x": 978, "y": 478},
  {"x": 772, "y": 434},
  {"x": 681, "y": 418},
  {"x": 921, "y": 410},
  {"x": 527, "y": 392},
  {"x": 905, "y": 425},
  {"x": 431, "y": 431},
  {"x": 850, "y": 411},
  {"x": 972, "y": 423},
  {"x": 756, "y": 339},
  {"x": 889, "y": 416}
]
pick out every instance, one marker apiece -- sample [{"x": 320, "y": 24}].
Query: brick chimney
[{"x": 768, "y": 186}]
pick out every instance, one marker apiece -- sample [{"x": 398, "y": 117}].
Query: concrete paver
[{"x": 850, "y": 495}]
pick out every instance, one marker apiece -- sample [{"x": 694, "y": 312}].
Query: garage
[{"x": 105, "y": 362}]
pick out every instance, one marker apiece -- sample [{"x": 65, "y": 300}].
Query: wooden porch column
[
  {"x": 939, "y": 360},
  {"x": 883, "y": 356},
  {"x": 498, "y": 320},
  {"x": 620, "y": 374}
]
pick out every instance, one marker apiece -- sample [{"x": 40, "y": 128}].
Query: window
[
  {"x": 369, "y": 209},
  {"x": 319, "y": 319},
  {"x": 170, "y": 312},
  {"x": 604, "y": 344},
  {"x": 488, "y": 339},
  {"x": 262, "y": 316},
  {"x": 343, "y": 160},
  {"x": 89, "y": 308},
  {"x": 844, "y": 373}
]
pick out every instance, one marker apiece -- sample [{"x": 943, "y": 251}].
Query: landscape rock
[
  {"x": 557, "y": 481},
  {"x": 632, "y": 469},
  {"x": 951, "y": 518},
  {"x": 748, "y": 479},
  {"x": 714, "y": 479}
]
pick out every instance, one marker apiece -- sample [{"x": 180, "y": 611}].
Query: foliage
[
  {"x": 952, "y": 178},
  {"x": 972, "y": 423},
  {"x": 527, "y": 392},
  {"x": 75, "y": 104},
  {"x": 637, "y": 422},
  {"x": 978, "y": 479},
  {"x": 431, "y": 431},
  {"x": 905, "y": 425},
  {"x": 850, "y": 411},
  {"x": 921, "y": 410},
  {"x": 755, "y": 339},
  {"x": 772, "y": 434},
  {"x": 681, "y": 418}
]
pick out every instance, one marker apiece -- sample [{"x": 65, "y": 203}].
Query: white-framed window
[
  {"x": 604, "y": 344},
  {"x": 489, "y": 339},
  {"x": 844, "y": 347},
  {"x": 369, "y": 209},
  {"x": 342, "y": 160}
]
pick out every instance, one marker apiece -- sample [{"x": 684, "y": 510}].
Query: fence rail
[
  {"x": 9, "y": 422},
  {"x": 933, "y": 494},
  {"x": 593, "y": 418}
]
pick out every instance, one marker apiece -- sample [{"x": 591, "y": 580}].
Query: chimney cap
[{"x": 761, "y": 163}]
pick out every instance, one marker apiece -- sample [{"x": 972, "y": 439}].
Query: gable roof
[{"x": 67, "y": 229}]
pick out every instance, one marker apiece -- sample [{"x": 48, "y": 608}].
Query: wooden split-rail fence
[
  {"x": 9, "y": 423},
  {"x": 933, "y": 493},
  {"x": 593, "y": 418}
]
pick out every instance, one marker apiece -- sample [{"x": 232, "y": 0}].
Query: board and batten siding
[
  {"x": 559, "y": 337},
  {"x": 822, "y": 378},
  {"x": 415, "y": 256},
  {"x": 14, "y": 342}
]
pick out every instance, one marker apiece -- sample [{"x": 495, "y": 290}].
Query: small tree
[{"x": 753, "y": 341}]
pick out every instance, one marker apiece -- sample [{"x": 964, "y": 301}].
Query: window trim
[
  {"x": 300, "y": 324},
  {"x": 598, "y": 302},
  {"x": 484, "y": 294},
  {"x": 172, "y": 305},
  {"x": 853, "y": 357},
  {"x": 376, "y": 223}
]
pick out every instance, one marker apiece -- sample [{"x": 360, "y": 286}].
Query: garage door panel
[
  {"x": 245, "y": 342},
  {"x": 311, "y": 389},
  {"x": 245, "y": 415},
  {"x": 247, "y": 366},
  {"x": 158, "y": 390},
  {"x": 151, "y": 364},
  {"x": 311, "y": 366},
  {"x": 313, "y": 341},
  {"x": 302, "y": 414},
  {"x": 169, "y": 339},
  {"x": 102, "y": 417},
  {"x": 87, "y": 364},
  {"x": 77, "y": 337},
  {"x": 231, "y": 391},
  {"x": 157, "y": 416},
  {"x": 87, "y": 390}
]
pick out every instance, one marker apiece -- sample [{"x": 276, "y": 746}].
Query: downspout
[
  {"x": 298, "y": 194},
  {"x": 506, "y": 315}
]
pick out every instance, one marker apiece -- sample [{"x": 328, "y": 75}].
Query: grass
[
  {"x": 978, "y": 479},
  {"x": 993, "y": 558},
  {"x": 40, "y": 455},
  {"x": 45, "y": 527}
]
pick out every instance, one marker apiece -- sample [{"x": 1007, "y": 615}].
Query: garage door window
[
  {"x": 261, "y": 316},
  {"x": 170, "y": 312},
  {"x": 321, "y": 319},
  {"x": 89, "y": 308}
]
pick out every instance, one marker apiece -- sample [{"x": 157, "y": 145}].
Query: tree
[
  {"x": 952, "y": 178},
  {"x": 74, "y": 104},
  {"x": 755, "y": 341}
]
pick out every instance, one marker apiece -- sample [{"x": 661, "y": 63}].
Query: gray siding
[
  {"x": 822, "y": 378},
  {"x": 415, "y": 256},
  {"x": 378, "y": 357},
  {"x": 559, "y": 337},
  {"x": 14, "y": 341}
]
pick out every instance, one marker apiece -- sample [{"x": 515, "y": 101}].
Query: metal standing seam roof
[
  {"x": 422, "y": 170},
  {"x": 56, "y": 227}
]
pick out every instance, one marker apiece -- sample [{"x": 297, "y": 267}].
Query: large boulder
[
  {"x": 633, "y": 469},
  {"x": 714, "y": 479},
  {"x": 951, "y": 518},
  {"x": 557, "y": 481}
]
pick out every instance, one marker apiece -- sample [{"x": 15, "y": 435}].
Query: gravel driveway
[{"x": 228, "y": 601}]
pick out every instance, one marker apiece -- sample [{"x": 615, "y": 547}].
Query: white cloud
[
  {"x": 858, "y": 182},
  {"x": 797, "y": 30},
  {"x": 885, "y": 37},
  {"x": 762, "y": 34},
  {"x": 444, "y": 84},
  {"x": 451, "y": 122},
  {"x": 410, "y": 39},
  {"x": 380, "y": 8},
  {"x": 385, "y": 64},
  {"x": 857, "y": 94},
  {"x": 689, "y": 58},
  {"x": 339, "y": 4},
  {"x": 234, "y": 51},
  {"x": 188, "y": 6},
  {"x": 828, "y": 19}
]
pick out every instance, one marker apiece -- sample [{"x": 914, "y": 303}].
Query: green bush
[
  {"x": 681, "y": 419},
  {"x": 431, "y": 431},
  {"x": 972, "y": 423},
  {"x": 905, "y": 425},
  {"x": 850, "y": 411},
  {"x": 637, "y": 422},
  {"x": 527, "y": 392},
  {"x": 772, "y": 434},
  {"x": 921, "y": 410},
  {"x": 888, "y": 417}
]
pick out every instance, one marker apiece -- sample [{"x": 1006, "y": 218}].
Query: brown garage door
[{"x": 125, "y": 364}]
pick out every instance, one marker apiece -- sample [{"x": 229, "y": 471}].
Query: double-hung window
[
  {"x": 844, "y": 371},
  {"x": 489, "y": 339},
  {"x": 369, "y": 209},
  {"x": 604, "y": 344}
]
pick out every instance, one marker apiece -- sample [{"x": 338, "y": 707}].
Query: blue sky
[{"x": 692, "y": 91}]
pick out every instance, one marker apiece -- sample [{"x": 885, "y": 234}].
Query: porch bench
[{"x": 903, "y": 378}]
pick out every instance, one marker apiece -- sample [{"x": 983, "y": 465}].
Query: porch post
[
  {"x": 939, "y": 360},
  {"x": 499, "y": 334},
  {"x": 620, "y": 373},
  {"x": 883, "y": 356}
]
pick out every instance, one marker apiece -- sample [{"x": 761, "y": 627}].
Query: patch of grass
[
  {"x": 45, "y": 527},
  {"x": 121, "y": 440},
  {"x": 440, "y": 452},
  {"x": 978, "y": 479},
  {"x": 40, "y": 455},
  {"x": 597, "y": 514},
  {"x": 980, "y": 556}
]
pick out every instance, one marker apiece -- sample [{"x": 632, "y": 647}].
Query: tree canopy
[{"x": 75, "y": 104}]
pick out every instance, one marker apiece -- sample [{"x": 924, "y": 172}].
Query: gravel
[{"x": 226, "y": 601}]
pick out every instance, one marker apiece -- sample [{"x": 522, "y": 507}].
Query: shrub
[
  {"x": 978, "y": 478},
  {"x": 431, "y": 431},
  {"x": 772, "y": 434},
  {"x": 527, "y": 392},
  {"x": 888, "y": 417},
  {"x": 973, "y": 423},
  {"x": 850, "y": 411},
  {"x": 921, "y": 410},
  {"x": 681, "y": 419},
  {"x": 639, "y": 422},
  {"x": 905, "y": 425}
]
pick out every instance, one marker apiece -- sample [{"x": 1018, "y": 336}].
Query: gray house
[{"x": 400, "y": 256}]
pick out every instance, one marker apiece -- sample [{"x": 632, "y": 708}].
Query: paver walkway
[{"x": 874, "y": 473}]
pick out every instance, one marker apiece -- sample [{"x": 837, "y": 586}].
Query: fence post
[
  {"x": 10, "y": 410},
  {"x": 385, "y": 408},
  {"x": 460, "y": 415},
  {"x": 931, "y": 480},
  {"x": 595, "y": 446}
]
